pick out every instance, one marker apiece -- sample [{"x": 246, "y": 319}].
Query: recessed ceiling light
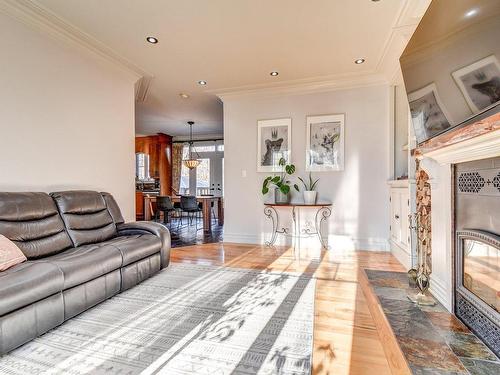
[
  {"x": 183, "y": 95},
  {"x": 359, "y": 61},
  {"x": 471, "y": 12},
  {"x": 203, "y": 83},
  {"x": 152, "y": 39},
  {"x": 274, "y": 74}
]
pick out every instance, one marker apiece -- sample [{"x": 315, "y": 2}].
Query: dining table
[{"x": 205, "y": 200}]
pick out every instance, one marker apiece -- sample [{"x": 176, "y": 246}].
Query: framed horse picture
[
  {"x": 325, "y": 143},
  {"x": 274, "y": 141}
]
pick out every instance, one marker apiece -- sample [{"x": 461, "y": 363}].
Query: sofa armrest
[{"x": 148, "y": 227}]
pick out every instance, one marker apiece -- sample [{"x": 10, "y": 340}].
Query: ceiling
[{"x": 231, "y": 44}]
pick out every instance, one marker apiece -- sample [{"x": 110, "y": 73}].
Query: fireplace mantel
[{"x": 480, "y": 140}]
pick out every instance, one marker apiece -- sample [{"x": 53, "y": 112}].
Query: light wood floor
[{"x": 346, "y": 340}]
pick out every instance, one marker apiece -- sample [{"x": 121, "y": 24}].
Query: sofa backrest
[
  {"x": 85, "y": 216},
  {"x": 32, "y": 221},
  {"x": 113, "y": 208}
]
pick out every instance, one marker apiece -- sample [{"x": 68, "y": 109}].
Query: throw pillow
[{"x": 10, "y": 254}]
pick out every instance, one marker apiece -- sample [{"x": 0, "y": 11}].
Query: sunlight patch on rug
[{"x": 188, "y": 319}]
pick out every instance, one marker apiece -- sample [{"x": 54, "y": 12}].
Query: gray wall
[{"x": 360, "y": 195}]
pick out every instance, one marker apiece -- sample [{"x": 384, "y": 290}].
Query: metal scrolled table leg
[
  {"x": 322, "y": 214},
  {"x": 272, "y": 214}
]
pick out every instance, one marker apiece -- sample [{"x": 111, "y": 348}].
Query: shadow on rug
[{"x": 188, "y": 319}]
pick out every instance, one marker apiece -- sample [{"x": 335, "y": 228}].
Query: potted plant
[
  {"x": 309, "y": 193},
  {"x": 282, "y": 185}
]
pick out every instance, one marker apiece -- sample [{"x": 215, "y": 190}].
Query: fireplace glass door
[{"x": 481, "y": 271}]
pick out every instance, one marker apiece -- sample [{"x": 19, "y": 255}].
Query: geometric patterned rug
[{"x": 187, "y": 319}]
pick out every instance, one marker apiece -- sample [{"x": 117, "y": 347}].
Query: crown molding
[
  {"x": 299, "y": 87},
  {"x": 34, "y": 15}
]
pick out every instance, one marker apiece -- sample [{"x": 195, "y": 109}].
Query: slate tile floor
[{"x": 432, "y": 340}]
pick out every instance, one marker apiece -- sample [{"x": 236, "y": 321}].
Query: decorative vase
[
  {"x": 280, "y": 197},
  {"x": 310, "y": 197},
  {"x": 412, "y": 278}
]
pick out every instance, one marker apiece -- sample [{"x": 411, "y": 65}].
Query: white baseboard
[
  {"x": 401, "y": 254},
  {"x": 334, "y": 241},
  {"x": 370, "y": 244},
  {"x": 439, "y": 290},
  {"x": 243, "y": 238}
]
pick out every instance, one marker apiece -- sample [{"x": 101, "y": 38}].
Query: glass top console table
[{"x": 323, "y": 212}]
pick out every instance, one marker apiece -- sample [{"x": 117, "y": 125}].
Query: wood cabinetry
[
  {"x": 139, "y": 206},
  {"x": 159, "y": 149}
]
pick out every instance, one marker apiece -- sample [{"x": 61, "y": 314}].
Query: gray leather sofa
[{"x": 80, "y": 252}]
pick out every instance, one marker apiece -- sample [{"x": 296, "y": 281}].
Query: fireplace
[{"x": 477, "y": 248}]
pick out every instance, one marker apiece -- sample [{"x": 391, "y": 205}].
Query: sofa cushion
[
  {"x": 136, "y": 247},
  {"x": 32, "y": 222},
  {"x": 84, "y": 263},
  {"x": 85, "y": 216},
  {"x": 28, "y": 283},
  {"x": 10, "y": 254},
  {"x": 113, "y": 208}
]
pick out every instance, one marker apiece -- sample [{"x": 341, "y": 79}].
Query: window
[
  {"x": 203, "y": 174},
  {"x": 220, "y": 148},
  {"x": 140, "y": 165},
  {"x": 209, "y": 148}
]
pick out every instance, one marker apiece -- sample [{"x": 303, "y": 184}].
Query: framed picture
[
  {"x": 325, "y": 143},
  {"x": 428, "y": 115},
  {"x": 480, "y": 83},
  {"x": 274, "y": 141}
]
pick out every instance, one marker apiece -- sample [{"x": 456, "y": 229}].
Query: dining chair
[
  {"x": 164, "y": 204},
  {"x": 190, "y": 205}
]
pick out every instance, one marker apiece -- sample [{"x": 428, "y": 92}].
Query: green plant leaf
[
  {"x": 301, "y": 180},
  {"x": 290, "y": 169},
  {"x": 285, "y": 189},
  {"x": 314, "y": 184},
  {"x": 265, "y": 190},
  {"x": 282, "y": 162},
  {"x": 296, "y": 187},
  {"x": 275, "y": 179}
]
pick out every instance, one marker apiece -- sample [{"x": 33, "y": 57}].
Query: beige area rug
[{"x": 188, "y": 319}]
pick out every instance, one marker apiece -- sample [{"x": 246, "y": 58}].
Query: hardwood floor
[
  {"x": 346, "y": 340},
  {"x": 186, "y": 235}
]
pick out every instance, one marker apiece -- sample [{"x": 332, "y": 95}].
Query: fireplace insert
[{"x": 477, "y": 248}]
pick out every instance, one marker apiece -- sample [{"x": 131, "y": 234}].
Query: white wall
[
  {"x": 441, "y": 284},
  {"x": 360, "y": 217},
  {"x": 66, "y": 118},
  {"x": 401, "y": 123}
]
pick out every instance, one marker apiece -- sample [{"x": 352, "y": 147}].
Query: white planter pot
[{"x": 310, "y": 196}]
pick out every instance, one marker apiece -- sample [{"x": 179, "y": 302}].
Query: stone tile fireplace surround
[{"x": 460, "y": 151}]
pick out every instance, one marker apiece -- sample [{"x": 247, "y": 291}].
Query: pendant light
[{"x": 191, "y": 162}]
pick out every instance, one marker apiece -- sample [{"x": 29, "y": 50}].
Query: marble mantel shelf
[{"x": 479, "y": 140}]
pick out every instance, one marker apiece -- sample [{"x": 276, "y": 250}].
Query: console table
[{"x": 323, "y": 211}]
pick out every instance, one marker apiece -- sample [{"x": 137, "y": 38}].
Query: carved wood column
[{"x": 424, "y": 227}]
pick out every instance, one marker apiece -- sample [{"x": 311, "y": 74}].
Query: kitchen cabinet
[
  {"x": 139, "y": 206},
  {"x": 159, "y": 149}
]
